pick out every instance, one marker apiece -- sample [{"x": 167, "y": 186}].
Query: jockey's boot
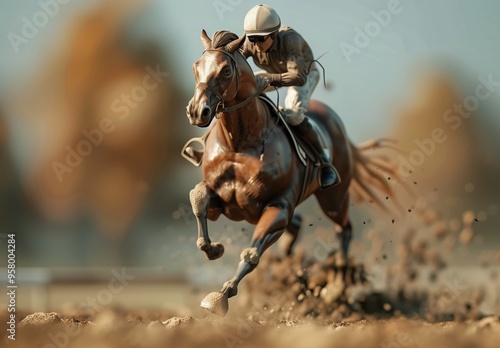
[{"x": 328, "y": 175}]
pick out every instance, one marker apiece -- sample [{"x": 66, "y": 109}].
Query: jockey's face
[{"x": 262, "y": 43}]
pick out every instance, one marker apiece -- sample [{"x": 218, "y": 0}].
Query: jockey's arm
[
  {"x": 245, "y": 51},
  {"x": 296, "y": 73}
]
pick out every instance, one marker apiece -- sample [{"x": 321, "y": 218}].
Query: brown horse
[{"x": 250, "y": 169}]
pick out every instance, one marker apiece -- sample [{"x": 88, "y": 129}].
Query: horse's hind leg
[
  {"x": 202, "y": 204},
  {"x": 338, "y": 211},
  {"x": 292, "y": 230},
  {"x": 271, "y": 225}
]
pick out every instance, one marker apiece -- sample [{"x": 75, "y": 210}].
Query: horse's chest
[{"x": 241, "y": 181}]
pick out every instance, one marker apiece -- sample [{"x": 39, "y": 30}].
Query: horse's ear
[
  {"x": 205, "y": 40},
  {"x": 235, "y": 44}
]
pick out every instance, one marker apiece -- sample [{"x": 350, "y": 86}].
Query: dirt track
[
  {"x": 299, "y": 301},
  {"x": 289, "y": 302},
  {"x": 112, "y": 329}
]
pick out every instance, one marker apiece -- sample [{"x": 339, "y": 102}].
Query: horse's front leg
[
  {"x": 271, "y": 225},
  {"x": 200, "y": 203}
]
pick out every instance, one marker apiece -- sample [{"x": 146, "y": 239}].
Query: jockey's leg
[
  {"x": 297, "y": 98},
  {"x": 328, "y": 175},
  {"x": 296, "y": 102}
]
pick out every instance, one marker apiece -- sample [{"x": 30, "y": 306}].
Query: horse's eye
[{"x": 226, "y": 72}]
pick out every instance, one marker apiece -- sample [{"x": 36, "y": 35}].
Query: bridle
[{"x": 220, "y": 108}]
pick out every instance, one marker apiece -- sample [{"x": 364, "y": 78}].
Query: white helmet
[{"x": 261, "y": 20}]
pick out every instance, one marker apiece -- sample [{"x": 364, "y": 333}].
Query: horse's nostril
[
  {"x": 205, "y": 111},
  {"x": 187, "y": 111}
]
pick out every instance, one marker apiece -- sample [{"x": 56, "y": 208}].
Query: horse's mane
[{"x": 222, "y": 37}]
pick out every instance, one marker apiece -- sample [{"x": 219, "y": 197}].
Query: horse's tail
[{"x": 374, "y": 170}]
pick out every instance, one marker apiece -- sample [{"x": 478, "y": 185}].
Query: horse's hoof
[
  {"x": 217, "y": 251},
  {"x": 213, "y": 251},
  {"x": 216, "y": 303}
]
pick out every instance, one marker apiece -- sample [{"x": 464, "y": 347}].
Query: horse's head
[{"x": 217, "y": 76}]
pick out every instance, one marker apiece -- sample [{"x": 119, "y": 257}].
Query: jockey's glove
[{"x": 274, "y": 79}]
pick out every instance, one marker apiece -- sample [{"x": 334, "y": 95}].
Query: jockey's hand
[
  {"x": 262, "y": 82},
  {"x": 273, "y": 79}
]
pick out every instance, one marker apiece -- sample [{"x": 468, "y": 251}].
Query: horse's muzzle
[{"x": 199, "y": 115}]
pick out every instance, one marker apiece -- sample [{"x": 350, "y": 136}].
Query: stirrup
[{"x": 189, "y": 155}]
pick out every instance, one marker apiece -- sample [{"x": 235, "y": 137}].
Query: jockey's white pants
[{"x": 297, "y": 97}]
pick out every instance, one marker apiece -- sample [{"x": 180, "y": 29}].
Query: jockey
[{"x": 288, "y": 61}]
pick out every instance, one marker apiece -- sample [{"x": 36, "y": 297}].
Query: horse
[{"x": 251, "y": 170}]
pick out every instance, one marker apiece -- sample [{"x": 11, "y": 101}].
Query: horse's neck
[{"x": 244, "y": 127}]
